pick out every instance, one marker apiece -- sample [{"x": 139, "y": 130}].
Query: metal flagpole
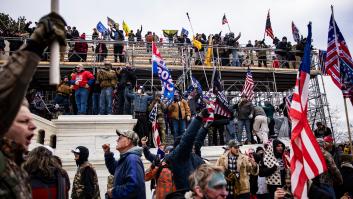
[
  {"x": 203, "y": 67},
  {"x": 152, "y": 70},
  {"x": 54, "y": 72},
  {"x": 344, "y": 99}
]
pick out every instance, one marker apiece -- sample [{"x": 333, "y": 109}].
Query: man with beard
[{"x": 85, "y": 183}]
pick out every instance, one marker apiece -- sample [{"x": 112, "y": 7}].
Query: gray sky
[{"x": 245, "y": 16}]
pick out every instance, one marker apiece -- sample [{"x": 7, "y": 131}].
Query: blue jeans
[
  {"x": 241, "y": 124},
  {"x": 127, "y": 101},
  {"x": 81, "y": 96},
  {"x": 95, "y": 103},
  {"x": 179, "y": 127},
  {"x": 64, "y": 102},
  {"x": 235, "y": 61},
  {"x": 106, "y": 101}
]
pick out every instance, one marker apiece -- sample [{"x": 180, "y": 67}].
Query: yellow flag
[
  {"x": 126, "y": 28},
  {"x": 209, "y": 54},
  {"x": 196, "y": 43}
]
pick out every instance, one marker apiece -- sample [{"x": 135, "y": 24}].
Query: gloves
[
  {"x": 50, "y": 28},
  {"x": 229, "y": 176}
]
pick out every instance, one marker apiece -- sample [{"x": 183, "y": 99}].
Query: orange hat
[{"x": 328, "y": 138}]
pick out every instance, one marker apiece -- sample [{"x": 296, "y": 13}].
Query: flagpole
[
  {"x": 203, "y": 67},
  {"x": 152, "y": 70},
  {"x": 227, "y": 23},
  {"x": 54, "y": 71},
  {"x": 344, "y": 99}
]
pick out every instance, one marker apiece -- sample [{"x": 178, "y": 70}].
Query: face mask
[{"x": 139, "y": 91}]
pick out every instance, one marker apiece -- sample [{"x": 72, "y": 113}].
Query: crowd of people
[
  {"x": 178, "y": 170},
  {"x": 226, "y": 50}
]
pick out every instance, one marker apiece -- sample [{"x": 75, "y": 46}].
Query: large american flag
[
  {"x": 221, "y": 104},
  {"x": 268, "y": 28},
  {"x": 339, "y": 64},
  {"x": 248, "y": 89},
  {"x": 307, "y": 160}
]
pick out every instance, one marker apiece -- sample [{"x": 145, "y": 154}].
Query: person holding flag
[
  {"x": 307, "y": 160},
  {"x": 157, "y": 109}
]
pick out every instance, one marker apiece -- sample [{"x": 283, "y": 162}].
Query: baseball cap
[
  {"x": 217, "y": 179},
  {"x": 129, "y": 134},
  {"x": 233, "y": 143},
  {"x": 328, "y": 139}
]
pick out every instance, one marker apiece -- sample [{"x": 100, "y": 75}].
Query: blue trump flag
[{"x": 101, "y": 28}]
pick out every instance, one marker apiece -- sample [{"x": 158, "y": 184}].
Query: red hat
[{"x": 328, "y": 139}]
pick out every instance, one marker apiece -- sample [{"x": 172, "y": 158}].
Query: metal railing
[{"x": 139, "y": 53}]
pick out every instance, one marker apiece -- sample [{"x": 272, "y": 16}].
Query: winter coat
[
  {"x": 173, "y": 110},
  {"x": 257, "y": 110},
  {"x": 244, "y": 168},
  {"x": 128, "y": 174},
  {"x": 244, "y": 110},
  {"x": 14, "y": 180},
  {"x": 101, "y": 49},
  {"x": 106, "y": 78},
  {"x": 45, "y": 187},
  {"x": 84, "y": 77},
  {"x": 347, "y": 174},
  {"x": 140, "y": 101},
  {"x": 85, "y": 183},
  {"x": 270, "y": 161},
  {"x": 182, "y": 160}
]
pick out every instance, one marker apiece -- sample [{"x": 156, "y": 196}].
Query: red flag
[
  {"x": 307, "y": 160},
  {"x": 155, "y": 134},
  {"x": 268, "y": 28}
]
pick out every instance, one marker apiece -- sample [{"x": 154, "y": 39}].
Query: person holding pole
[{"x": 17, "y": 73}]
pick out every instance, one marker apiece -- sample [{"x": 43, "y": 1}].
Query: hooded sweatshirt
[{"x": 128, "y": 174}]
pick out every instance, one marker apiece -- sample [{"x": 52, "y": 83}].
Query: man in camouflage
[
  {"x": 16, "y": 125},
  {"x": 107, "y": 80},
  {"x": 85, "y": 183}
]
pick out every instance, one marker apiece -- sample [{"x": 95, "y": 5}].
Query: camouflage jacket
[
  {"x": 79, "y": 189},
  {"x": 15, "y": 76},
  {"x": 14, "y": 180},
  {"x": 106, "y": 78},
  {"x": 332, "y": 175}
]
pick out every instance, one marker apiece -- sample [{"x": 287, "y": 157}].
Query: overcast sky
[{"x": 245, "y": 16}]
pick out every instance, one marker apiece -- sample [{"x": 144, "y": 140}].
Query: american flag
[
  {"x": 295, "y": 32},
  {"x": 288, "y": 100},
  {"x": 221, "y": 104},
  {"x": 339, "y": 64},
  {"x": 153, "y": 120},
  {"x": 322, "y": 58},
  {"x": 248, "y": 89},
  {"x": 307, "y": 160},
  {"x": 268, "y": 28},
  {"x": 224, "y": 19}
]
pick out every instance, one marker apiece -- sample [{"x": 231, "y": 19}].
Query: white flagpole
[{"x": 54, "y": 72}]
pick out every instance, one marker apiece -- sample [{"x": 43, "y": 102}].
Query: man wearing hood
[
  {"x": 128, "y": 171},
  {"x": 85, "y": 183},
  {"x": 274, "y": 158}
]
